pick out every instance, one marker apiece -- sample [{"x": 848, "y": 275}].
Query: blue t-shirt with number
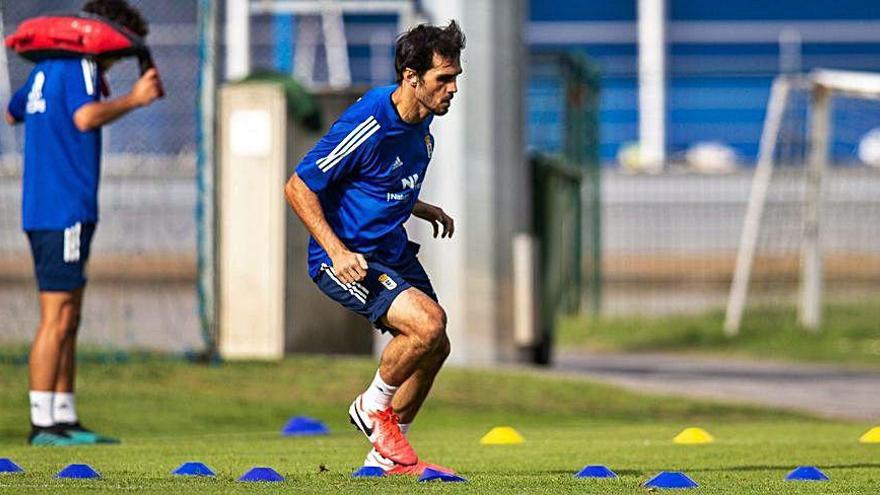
[
  {"x": 61, "y": 163},
  {"x": 367, "y": 172}
]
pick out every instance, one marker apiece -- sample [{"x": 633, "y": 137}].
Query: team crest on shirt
[
  {"x": 387, "y": 281},
  {"x": 429, "y": 145}
]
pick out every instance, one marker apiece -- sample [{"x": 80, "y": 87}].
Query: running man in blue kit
[
  {"x": 353, "y": 191},
  {"x": 61, "y": 107}
]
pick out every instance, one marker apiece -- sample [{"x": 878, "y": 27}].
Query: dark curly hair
[
  {"x": 120, "y": 12},
  {"x": 416, "y": 48}
]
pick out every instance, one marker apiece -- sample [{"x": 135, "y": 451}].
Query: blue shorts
[
  {"x": 60, "y": 256},
  {"x": 372, "y": 296}
]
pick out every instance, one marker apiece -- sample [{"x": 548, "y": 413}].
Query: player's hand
[
  {"x": 349, "y": 267},
  {"x": 438, "y": 218},
  {"x": 147, "y": 88}
]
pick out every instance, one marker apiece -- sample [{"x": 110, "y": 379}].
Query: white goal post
[{"x": 822, "y": 85}]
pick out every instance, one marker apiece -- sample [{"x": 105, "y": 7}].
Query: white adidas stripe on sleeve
[
  {"x": 351, "y": 142},
  {"x": 345, "y": 141}
]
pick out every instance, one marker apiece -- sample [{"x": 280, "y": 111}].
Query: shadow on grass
[
  {"x": 10, "y": 436},
  {"x": 783, "y": 467},
  {"x": 651, "y": 471},
  {"x": 570, "y": 472}
]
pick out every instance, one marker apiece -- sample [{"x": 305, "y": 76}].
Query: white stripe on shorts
[
  {"x": 354, "y": 286},
  {"x": 348, "y": 287},
  {"x": 72, "y": 243}
]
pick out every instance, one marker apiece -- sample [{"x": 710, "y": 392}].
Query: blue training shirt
[
  {"x": 61, "y": 163},
  {"x": 367, "y": 172}
]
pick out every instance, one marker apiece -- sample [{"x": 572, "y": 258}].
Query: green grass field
[
  {"x": 228, "y": 416},
  {"x": 850, "y": 335}
]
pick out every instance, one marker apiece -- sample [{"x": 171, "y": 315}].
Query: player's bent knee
[
  {"x": 57, "y": 330},
  {"x": 443, "y": 349},
  {"x": 435, "y": 328},
  {"x": 419, "y": 318},
  {"x": 429, "y": 329},
  {"x": 73, "y": 326},
  {"x": 63, "y": 327}
]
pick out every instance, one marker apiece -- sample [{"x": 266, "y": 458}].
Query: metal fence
[
  {"x": 669, "y": 241},
  {"x": 564, "y": 90},
  {"x": 666, "y": 243}
]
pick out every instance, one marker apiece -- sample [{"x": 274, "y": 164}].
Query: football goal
[{"x": 813, "y": 211}]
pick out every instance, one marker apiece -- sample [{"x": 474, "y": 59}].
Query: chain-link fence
[{"x": 669, "y": 241}]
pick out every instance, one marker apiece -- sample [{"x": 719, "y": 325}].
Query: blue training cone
[
  {"x": 434, "y": 475},
  {"x": 302, "y": 426},
  {"x": 7, "y": 466},
  {"x": 806, "y": 473},
  {"x": 368, "y": 472},
  {"x": 261, "y": 474},
  {"x": 193, "y": 468},
  {"x": 671, "y": 479},
  {"x": 596, "y": 471},
  {"x": 78, "y": 471}
]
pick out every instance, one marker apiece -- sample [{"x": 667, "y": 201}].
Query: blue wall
[{"x": 717, "y": 89}]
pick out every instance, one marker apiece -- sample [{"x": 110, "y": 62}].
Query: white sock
[
  {"x": 41, "y": 408},
  {"x": 378, "y": 395},
  {"x": 404, "y": 427},
  {"x": 64, "y": 408}
]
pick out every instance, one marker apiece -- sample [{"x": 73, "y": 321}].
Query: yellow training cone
[
  {"x": 502, "y": 435},
  {"x": 871, "y": 436},
  {"x": 690, "y": 436}
]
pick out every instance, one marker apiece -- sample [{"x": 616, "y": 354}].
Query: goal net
[{"x": 811, "y": 233}]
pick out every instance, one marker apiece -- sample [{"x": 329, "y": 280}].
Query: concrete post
[{"x": 478, "y": 176}]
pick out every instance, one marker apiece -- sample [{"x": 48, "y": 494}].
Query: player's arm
[
  {"x": 17, "y": 105},
  {"x": 349, "y": 266},
  {"x": 436, "y": 217},
  {"x": 347, "y": 144},
  {"x": 98, "y": 113}
]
